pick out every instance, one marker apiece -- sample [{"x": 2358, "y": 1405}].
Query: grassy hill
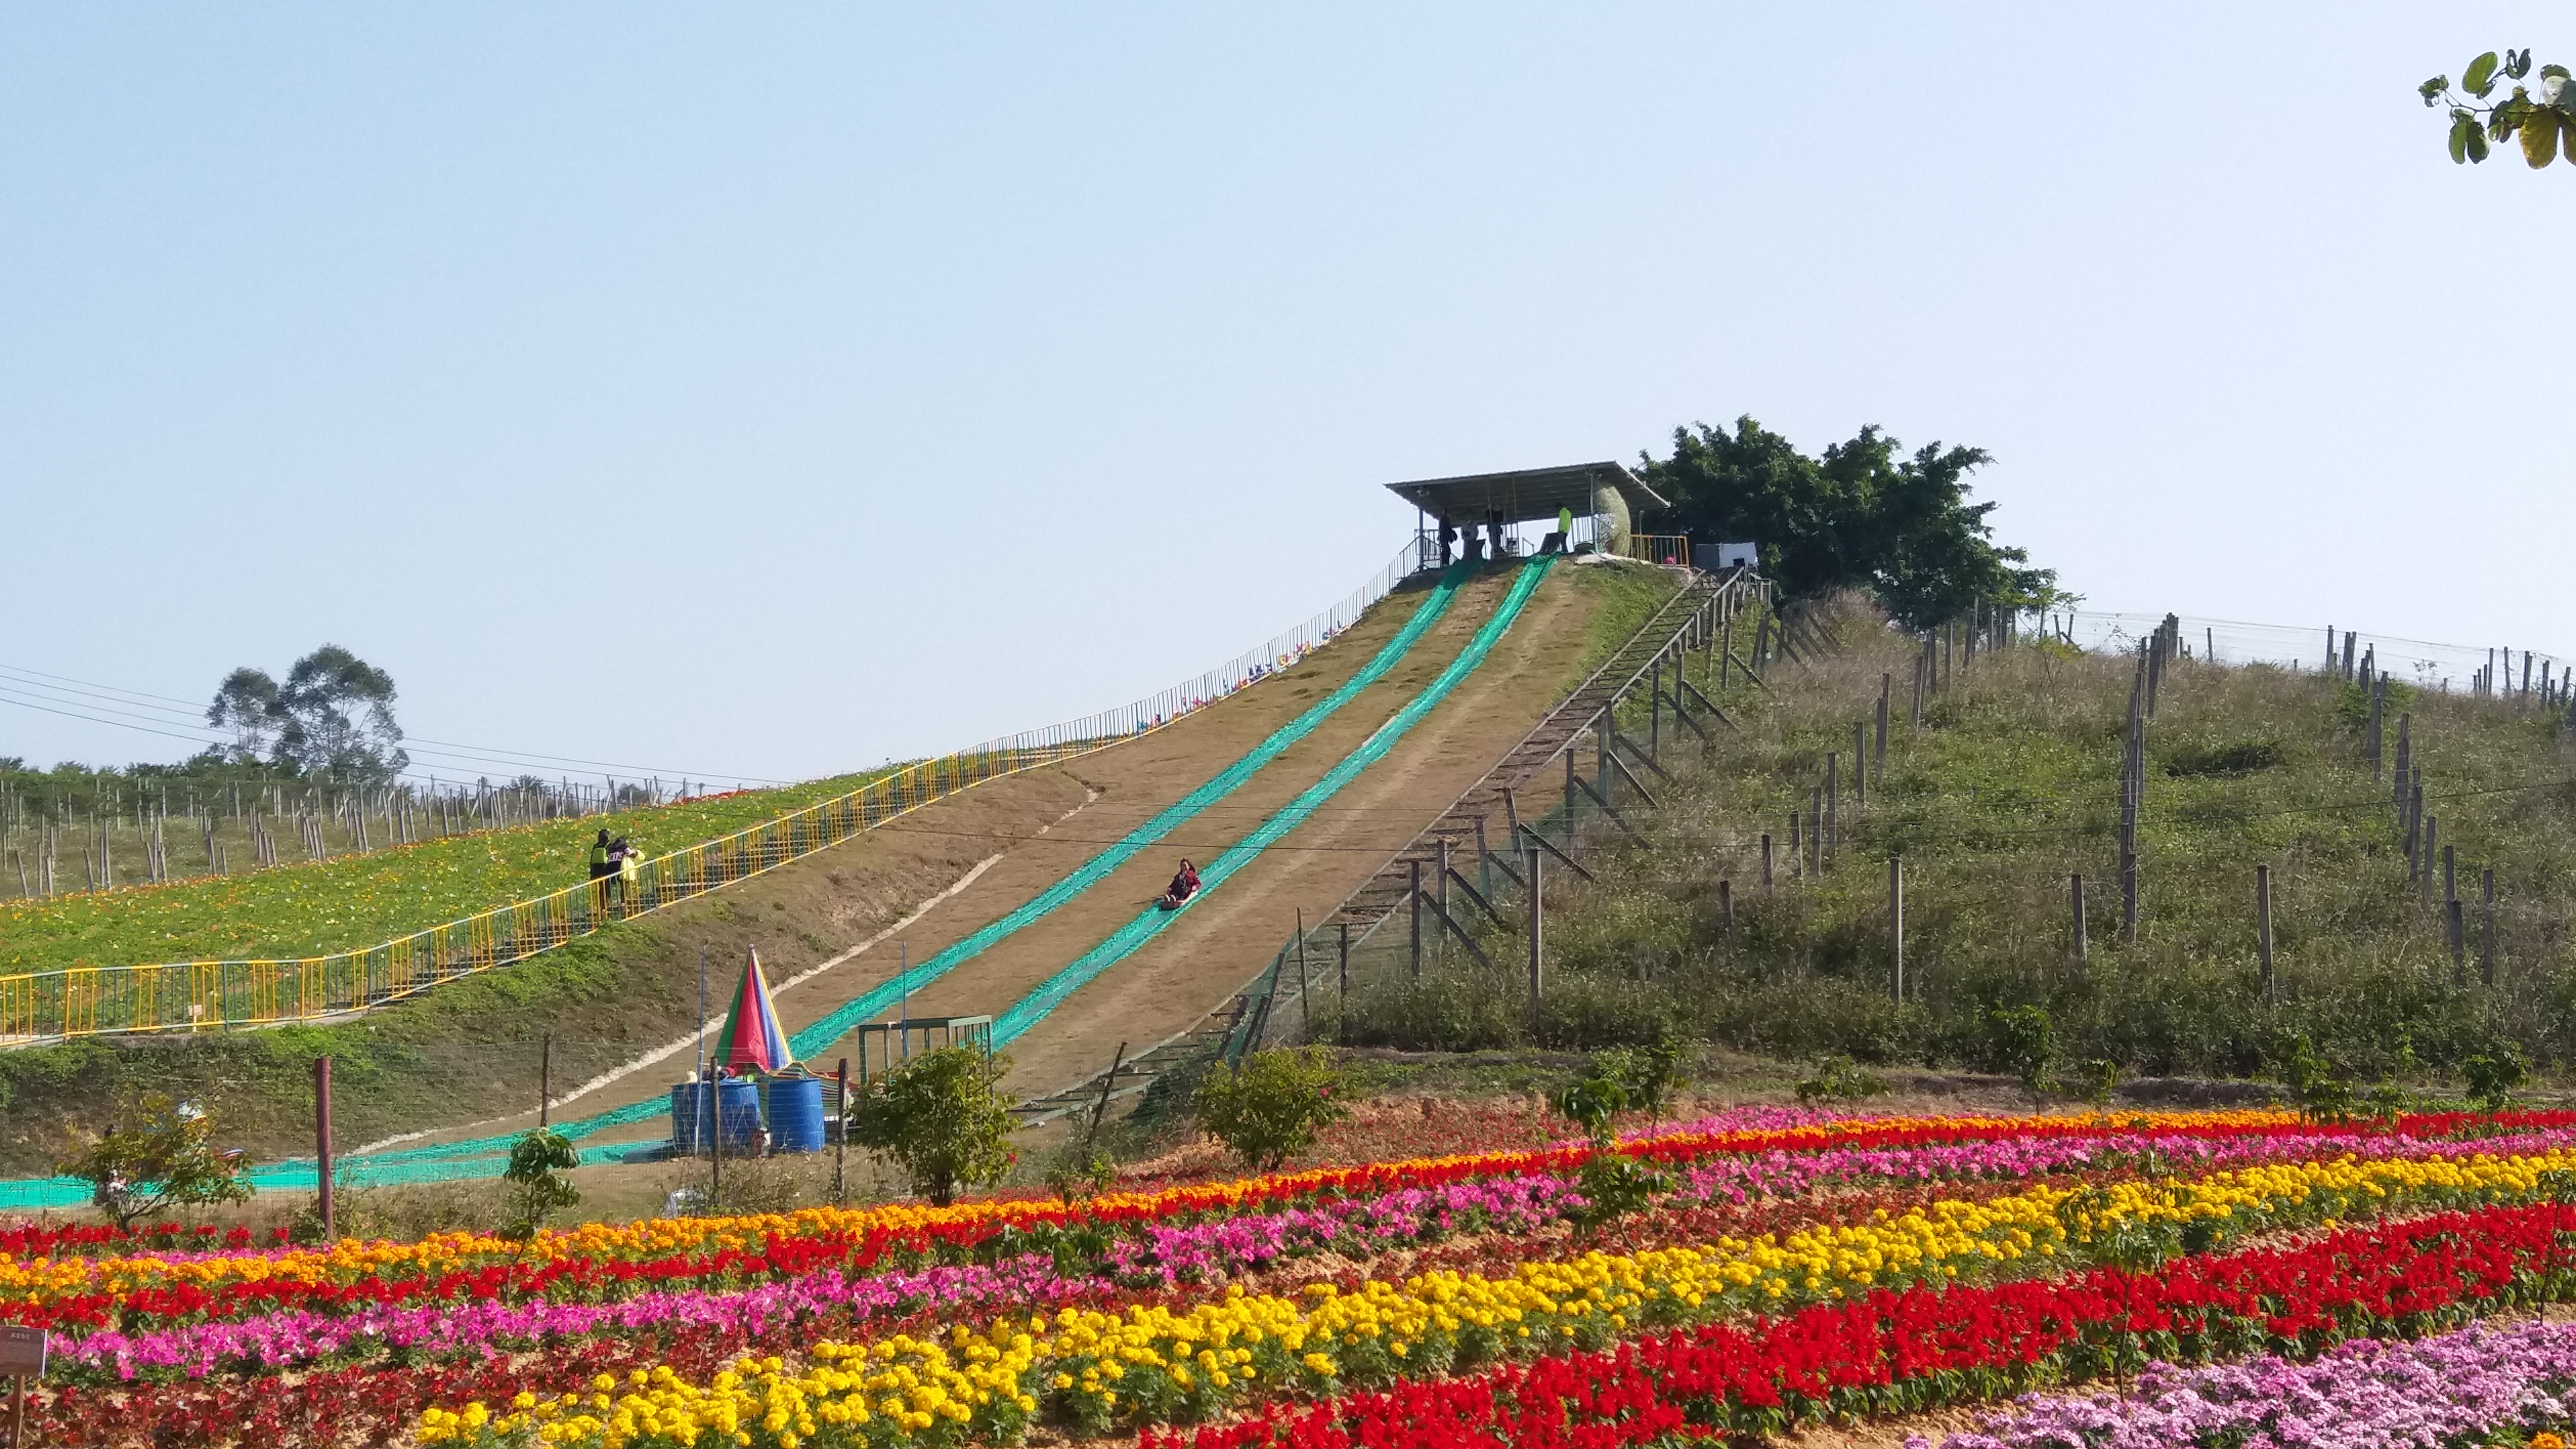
[
  {"x": 2010, "y": 787},
  {"x": 359, "y": 900}
]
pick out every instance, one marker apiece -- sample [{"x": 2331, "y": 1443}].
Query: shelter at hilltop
[{"x": 1603, "y": 497}]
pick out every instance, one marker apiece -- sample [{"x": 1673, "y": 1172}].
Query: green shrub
[
  {"x": 942, "y": 1117},
  {"x": 535, "y": 1193},
  {"x": 1273, "y": 1105},
  {"x": 2019, "y": 1041},
  {"x": 159, "y": 1155},
  {"x": 1836, "y": 1079},
  {"x": 2494, "y": 1075}
]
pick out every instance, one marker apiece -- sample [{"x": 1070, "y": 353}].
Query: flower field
[
  {"x": 1791, "y": 1267},
  {"x": 360, "y": 899}
]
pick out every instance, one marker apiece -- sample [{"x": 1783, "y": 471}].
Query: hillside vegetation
[
  {"x": 360, "y": 900},
  {"x": 2011, "y": 786}
]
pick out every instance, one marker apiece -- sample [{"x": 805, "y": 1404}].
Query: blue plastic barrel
[
  {"x": 738, "y": 1114},
  {"x": 687, "y": 1137},
  {"x": 691, "y": 1118},
  {"x": 795, "y": 1114}
]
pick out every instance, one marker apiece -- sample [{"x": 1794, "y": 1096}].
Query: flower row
[
  {"x": 1926, "y": 1348},
  {"x": 601, "y": 1263},
  {"x": 1163, "y": 1363},
  {"x": 2457, "y": 1388}
]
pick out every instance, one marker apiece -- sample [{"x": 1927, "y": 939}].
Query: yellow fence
[
  {"x": 1660, "y": 548},
  {"x": 215, "y": 995}
]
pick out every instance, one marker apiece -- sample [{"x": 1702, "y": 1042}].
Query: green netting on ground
[{"x": 1034, "y": 1007}]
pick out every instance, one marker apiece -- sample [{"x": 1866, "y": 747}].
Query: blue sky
[{"x": 768, "y": 393}]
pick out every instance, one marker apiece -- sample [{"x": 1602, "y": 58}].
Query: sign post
[{"x": 22, "y": 1357}]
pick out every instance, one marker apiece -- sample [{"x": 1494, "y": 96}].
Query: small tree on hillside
[
  {"x": 1273, "y": 1105},
  {"x": 942, "y": 1117},
  {"x": 160, "y": 1156},
  {"x": 536, "y": 1194}
]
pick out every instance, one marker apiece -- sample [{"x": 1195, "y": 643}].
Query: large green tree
[{"x": 1863, "y": 515}]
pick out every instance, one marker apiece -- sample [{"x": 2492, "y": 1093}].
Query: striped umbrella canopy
[{"x": 752, "y": 1040}]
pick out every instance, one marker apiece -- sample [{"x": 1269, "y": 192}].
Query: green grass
[
  {"x": 359, "y": 900},
  {"x": 2010, "y": 787},
  {"x": 1627, "y": 594}
]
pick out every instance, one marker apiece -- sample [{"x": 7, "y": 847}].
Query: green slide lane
[
  {"x": 1033, "y": 1008},
  {"x": 451, "y": 1160}
]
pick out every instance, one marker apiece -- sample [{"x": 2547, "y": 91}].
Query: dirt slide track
[
  {"x": 1180, "y": 975},
  {"x": 1208, "y": 954},
  {"x": 1025, "y": 833}
]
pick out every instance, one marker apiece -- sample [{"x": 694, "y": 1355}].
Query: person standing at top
[
  {"x": 1565, "y": 529},
  {"x": 600, "y": 864}
]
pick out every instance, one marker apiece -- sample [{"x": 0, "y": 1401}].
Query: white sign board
[{"x": 1731, "y": 554}]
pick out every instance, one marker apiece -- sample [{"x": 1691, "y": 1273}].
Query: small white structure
[{"x": 1731, "y": 554}]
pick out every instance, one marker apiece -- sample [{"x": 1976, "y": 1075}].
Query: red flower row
[{"x": 1905, "y": 1352}]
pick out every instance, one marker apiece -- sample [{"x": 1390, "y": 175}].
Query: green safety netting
[{"x": 1033, "y": 1008}]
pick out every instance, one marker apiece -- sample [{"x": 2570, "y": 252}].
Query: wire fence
[
  {"x": 189, "y": 996},
  {"x": 2501, "y": 669}
]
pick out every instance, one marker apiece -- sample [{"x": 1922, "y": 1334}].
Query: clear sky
[{"x": 769, "y": 391}]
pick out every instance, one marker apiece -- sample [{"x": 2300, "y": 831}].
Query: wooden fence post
[
  {"x": 2263, "y": 932},
  {"x": 1896, "y": 925},
  {"x": 2486, "y": 947},
  {"x": 1536, "y": 926},
  {"x": 322, "y": 1144},
  {"x": 2075, "y": 886}
]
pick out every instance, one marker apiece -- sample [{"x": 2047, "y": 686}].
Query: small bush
[
  {"x": 2494, "y": 1075},
  {"x": 1080, "y": 1172},
  {"x": 160, "y": 1155},
  {"x": 2019, "y": 1041},
  {"x": 942, "y": 1118},
  {"x": 1836, "y": 1079},
  {"x": 1273, "y": 1105},
  {"x": 535, "y": 1193}
]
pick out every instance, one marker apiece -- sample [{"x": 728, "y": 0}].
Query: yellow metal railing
[
  {"x": 1660, "y": 548},
  {"x": 214, "y": 995}
]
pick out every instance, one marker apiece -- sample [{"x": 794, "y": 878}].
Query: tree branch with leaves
[{"x": 2539, "y": 121}]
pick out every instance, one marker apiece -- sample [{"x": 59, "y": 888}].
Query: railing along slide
[
  {"x": 1712, "y": 617},
  {"x": 185, "y": 996}
]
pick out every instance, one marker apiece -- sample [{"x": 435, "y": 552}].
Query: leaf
[
  {"x": 2477, "y": 144},
  {"x": 2431, "y": 90},
  {"x": 2559, "y": 72},
  {"x": 2479, "y": 78},
  {"x": 2461, "y": 130},
  {"x": 2568, "y": 125},
  {"x": 2539, "y": 141},
  {"x": 2517, "y": 63}
]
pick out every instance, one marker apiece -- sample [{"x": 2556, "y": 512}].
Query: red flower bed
[{"x": 1905, "y": 1352}]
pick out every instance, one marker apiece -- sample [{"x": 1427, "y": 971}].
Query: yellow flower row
[
  {"x": 348, "y": 1260},
  {"x": 1154, "y": 1364}
]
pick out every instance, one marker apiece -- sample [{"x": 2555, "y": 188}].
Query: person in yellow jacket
[{"x": 630, "y": 865}]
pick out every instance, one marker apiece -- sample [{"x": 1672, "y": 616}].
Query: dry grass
[{"x": 2009, "y": 787}]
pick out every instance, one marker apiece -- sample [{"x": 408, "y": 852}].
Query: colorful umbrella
[{"x": 752, "y": 1038}]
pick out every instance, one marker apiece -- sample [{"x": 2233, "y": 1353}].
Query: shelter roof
[{"x": 1524, "y": 496}]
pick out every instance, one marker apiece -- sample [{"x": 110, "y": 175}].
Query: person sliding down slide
[{"x": 1184, "y": 886}]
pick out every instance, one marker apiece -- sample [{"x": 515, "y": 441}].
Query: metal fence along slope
[{"x": 182, "y": 996}]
